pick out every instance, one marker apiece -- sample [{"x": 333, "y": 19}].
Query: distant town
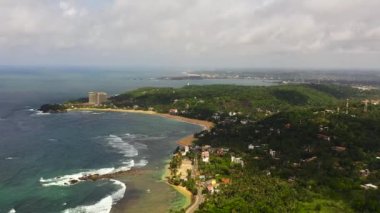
[{"x": 363, "y": 79}]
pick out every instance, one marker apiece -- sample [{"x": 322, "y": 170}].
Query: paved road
[
  {"x": 199, "y": 197},
  {"x": 198, "y": 200}
]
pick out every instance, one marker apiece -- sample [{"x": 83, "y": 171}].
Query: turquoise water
[{"x": 40, "y": 154}]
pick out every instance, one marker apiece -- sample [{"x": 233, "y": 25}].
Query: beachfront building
[
  {"x": 205, "y": 156},
  {"x": 97, "y": 98},
  {"x": 185, "y": 150},
  {"x": 173, "y": 111}
]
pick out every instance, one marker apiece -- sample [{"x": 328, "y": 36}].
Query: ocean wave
[
  {"x": 97, "y": 113},
  {"x": 10, "y": 158},
  {"x": 39, "y": 113},
  {"x": 102, "y": 206},
  {"x": 105, "y": 204},
  {"x": 122, "y": 146},
  {"x": 12, "y": 211},
  {"x": 141, "y": 163},
  {"x": 68, "y": 180},
  {"x": 36, "y": 112}
]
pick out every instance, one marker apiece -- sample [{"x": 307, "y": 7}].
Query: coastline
[
  {"x": 187, "y": 195},
  {"x": 185, "y": 141},
  {"x": 204, "y": 124}
]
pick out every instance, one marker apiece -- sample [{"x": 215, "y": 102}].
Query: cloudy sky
[{"x": 195, "y": 33}]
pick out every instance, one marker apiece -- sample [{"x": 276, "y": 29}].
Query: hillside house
[
  {"x": 324, "y": 137},
  {"x": 173, "y": 111},
  {"x": 338, "y": 148},
  {"x": 251, "y": 147},
  {"x": 185, "y": 150},
  {"x": 364, "y": 172},
  {"x": 272, "y": 153},
  {"x": 369, "y": 186},
  {"x": 309, "y": 159},
  {"x": 205, "y": 156},
  {"x": 235, "y": 160}
]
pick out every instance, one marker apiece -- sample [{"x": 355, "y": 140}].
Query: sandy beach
[
  {"x": 204, "y": 124},
  {"x": 185, "y": 141}
]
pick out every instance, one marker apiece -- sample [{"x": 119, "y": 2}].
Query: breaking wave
[
  {"x": 122, "y": 146},
  {"x": 105, "y": 204},
  {"x": 125, "y": 145},
  {"x": 39, "y": 113},
  {"x": 68, "y": 180}
]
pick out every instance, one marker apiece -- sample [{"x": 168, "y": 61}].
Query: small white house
[
  {"x": 205, "y": 156},
  {"x": 369, "y": 186},
  {"x": 251, "y": 147},
  {"x": 185, "y": 150},
  {"x": 272, "y": 153},
  {"x": 235, "y": 160}
]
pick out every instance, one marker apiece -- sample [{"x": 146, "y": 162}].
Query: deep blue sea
[{"x": 41, "y": 153}]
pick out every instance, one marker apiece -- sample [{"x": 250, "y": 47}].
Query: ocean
[{"x": 40, "y": 154}]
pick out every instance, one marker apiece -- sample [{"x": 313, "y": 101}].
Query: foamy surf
[
  {"x": 9, "y": 158},
  {"x": 40, "y": 113},
  {"x": 122, "y": 146},
  {"x": 105, "y": 204},
  {"x": 125, "y": 145},
  {"x": 68, "y": 180}
]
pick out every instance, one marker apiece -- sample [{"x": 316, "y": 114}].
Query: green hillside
[{"x": 201, "y": 101}]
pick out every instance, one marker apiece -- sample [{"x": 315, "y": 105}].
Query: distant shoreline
[
  {"x": 204, "y": 124},
  {"x": 185, "y": 141}
]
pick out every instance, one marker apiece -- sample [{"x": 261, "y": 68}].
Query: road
[{"x": 199, "y": 198}]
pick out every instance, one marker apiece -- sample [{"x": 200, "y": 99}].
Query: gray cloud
[{"x": 216, "y": 33}]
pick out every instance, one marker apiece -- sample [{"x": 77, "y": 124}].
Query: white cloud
[{"x": 234, "y": 32}]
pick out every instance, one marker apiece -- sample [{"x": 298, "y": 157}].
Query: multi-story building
[
  {"x": 92, "y": 98},
  {"x": 97, "y": 98}
]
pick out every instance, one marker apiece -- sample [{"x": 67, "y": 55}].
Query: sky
[{"x": 192, "y": 33}]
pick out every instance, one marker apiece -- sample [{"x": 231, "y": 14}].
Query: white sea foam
[
  {"x": 141, "y": 163},
  {"x": 105, "y": 204},
  {"x": 102, "y": 206},
  {"x": 119, "y": 194},
  {"x": 66, "y": 179},
  {"x": 9, "y": 158},
  {"x": 39, "y": 113},
  {"x": 12, "y": 211},
  {"x": 122, "y": 146}
]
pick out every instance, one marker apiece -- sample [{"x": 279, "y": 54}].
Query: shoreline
[
  {"x": 187, "y": 195},
  {"x": 185, "y": 141},
  {"x": 206, "y": 125}
]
